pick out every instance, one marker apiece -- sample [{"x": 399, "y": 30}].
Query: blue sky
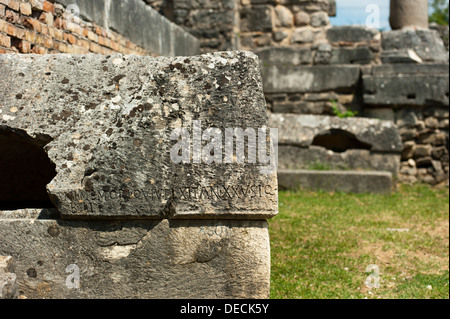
[{"x": 350, "y": 12}]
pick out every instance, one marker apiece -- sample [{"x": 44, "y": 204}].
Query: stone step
[
  {"x": 145, "y": 259},
  {"x": 332, "y": 181}
]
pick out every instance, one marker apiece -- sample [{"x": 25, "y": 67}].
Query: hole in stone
[
  {"x": 339, "y": 141},
  {"x": 31, "y": 272},
  {"x": 167, "y": 9},
  {"x": 411, "y": 96},
  {"x": 35, "y": 13},
  {"x": 25, "y": 170},
  {"x": 15, "y": 43}
]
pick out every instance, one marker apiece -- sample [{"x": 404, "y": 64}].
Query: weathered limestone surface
[
  {"x": 301, "y": 79},
  {"x": 284, "y": 56},
  {"x": 426, "y": 45},
  {"x": 131, "y": 222},
  {"x": 8, "y": 279},
  {"x": 107, "y": 123},
  {"x": 331, "y": 181},
  {"x": 407, "y": 84},
  {"x": 301, "y": 130},
  {"x": 347, "y": 34},
  {"x": 136, "y": 259},
  {"x": 6, "y": 264},
  {"x": 357, "y": 155},
  {"x": 400, "y": 56},
  {"x": 361, "y": 55},
  {"x": 293, "y": 157}
]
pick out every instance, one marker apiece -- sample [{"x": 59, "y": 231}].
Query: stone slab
[
  {"x": 332, "y": 181},
  {"x": 361, "y": 55},
  {"x": 284, "y": 56},
  {"x": 426, "y": 44},
  {"x": 381, "y": 113},
  {"x": 407, "y": 85},
  {"x": 300, "y": 130},
  {"x": 303, "y": 79},
  {"x": 347, "y": 34},
  {"x": 107, "y": 121},
  {"x": 400, "y": 56},
  {"x": 71, "y": 259},
  {"x": 294, "y": 157}
]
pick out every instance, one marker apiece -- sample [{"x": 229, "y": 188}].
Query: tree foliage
[{"x": 439, "y": 12}]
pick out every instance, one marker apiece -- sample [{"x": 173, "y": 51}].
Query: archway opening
[
  {"x": 339, "y": 141},
  {"x": 25, "y": 170}
]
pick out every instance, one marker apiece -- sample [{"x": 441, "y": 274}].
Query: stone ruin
[
  {"x": 333, "y": 154},
  {"x": 310, "y": 67},
  {"x": 318, "y": 71},
  {"x": 105, "y": 237},
  {"x": 92, "y": 204}
]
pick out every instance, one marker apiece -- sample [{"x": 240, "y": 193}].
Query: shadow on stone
[
  {"x": 339, "y": 141},
  {"x": 25, "y": 170}
]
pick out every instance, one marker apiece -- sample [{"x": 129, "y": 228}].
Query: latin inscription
[
  {"x": 184, "y": 193},
  {"x": 212, "y": 231},
  {"x": 84, "y": 201}
]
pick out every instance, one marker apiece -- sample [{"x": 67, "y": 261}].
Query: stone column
[{"x": 409, "y": 13}]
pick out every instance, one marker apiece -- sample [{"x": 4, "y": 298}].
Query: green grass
[
  {"x": 321, "y": 166},
  {"x": 321, "y": 244},
  {"x": 318, "y": 166}
]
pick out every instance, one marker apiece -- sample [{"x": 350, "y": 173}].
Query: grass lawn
[{"x": 322, "y": 244}]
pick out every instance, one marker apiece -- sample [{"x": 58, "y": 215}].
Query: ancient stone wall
[
  {"x": 249, "y": 24},
  {"x": 318, "y": 78},
  {"x": 399, "y": 75},
  {"x": 38, "y": 26},
  {"x": 308, "y": 66},
  {"x": 214, "y": 22},
  {"x": 268, "y": 23}
]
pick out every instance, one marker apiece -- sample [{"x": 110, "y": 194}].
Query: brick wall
[
  {"x": 37, "y": 26},
  {"x": 91, "y": 26}
]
